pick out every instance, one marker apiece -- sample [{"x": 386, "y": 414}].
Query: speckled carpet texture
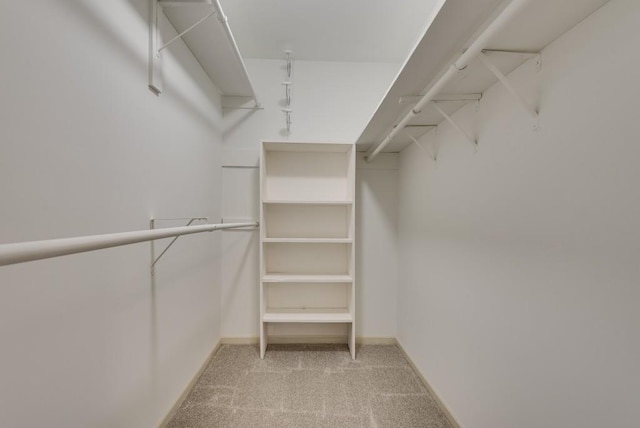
[{"x": 313, "y": 386}]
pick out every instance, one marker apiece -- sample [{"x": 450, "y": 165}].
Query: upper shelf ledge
[
  {"x": 465, "y": 48},
  {"x": 203, "y": 27}
]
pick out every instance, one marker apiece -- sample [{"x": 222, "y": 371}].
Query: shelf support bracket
[
  {"x": 191, "y": 27},
  {"x": 152, "y": 226},
  {"x": 155, "y": 40},
  {"x": 533, "y": 112},
  {"x": 455, "y": 125},
  {"x": 432, "y": 156},
  {"x": 453, "y": 98}
]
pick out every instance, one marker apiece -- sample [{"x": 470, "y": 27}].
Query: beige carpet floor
[{"x": 312, "y": 386}]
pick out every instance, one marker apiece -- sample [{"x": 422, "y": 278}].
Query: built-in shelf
[
  {"x": 306, "y": 202},
  {"x": 309, "y": 240},
  {"x": 307, "y": 256},
  {"x": 455, "y": 27},
  {"x": 280, "y": 278},
  {"x": 300, "y": 316}
]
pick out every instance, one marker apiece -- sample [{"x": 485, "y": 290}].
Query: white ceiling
[{"x": 329, "y": 30}]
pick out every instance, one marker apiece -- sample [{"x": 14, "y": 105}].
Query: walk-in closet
[{"x": 319, "y": 214}]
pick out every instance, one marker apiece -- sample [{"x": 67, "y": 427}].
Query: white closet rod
[
  {"x": 225, "y": 23},
  {"x": 36, "y": 250},
  {"x": 460, "y": 64}
]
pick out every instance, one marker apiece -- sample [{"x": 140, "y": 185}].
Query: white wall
[
  {"x": 89, "y": 340},
  {"x": 520, "y": 293},
  {"x": 332, "y": 102}
]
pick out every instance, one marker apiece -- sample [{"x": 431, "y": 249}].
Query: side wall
[
  {"x": 519, "y": 296},
  {"x": 92, "y": 340},
  {"x": 331, "y": 102}
]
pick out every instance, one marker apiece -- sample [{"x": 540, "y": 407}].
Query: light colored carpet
[{"x": 314, "y": 386}]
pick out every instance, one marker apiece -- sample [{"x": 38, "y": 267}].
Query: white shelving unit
[{"x": 307, "y": 236}]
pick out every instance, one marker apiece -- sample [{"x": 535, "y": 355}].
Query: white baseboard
[
  {"x": 376, "y": 340},
  {"x": 189, "y": 387},
  {"x": 314, "y": 339},
  {"x": 443, "y": 407},
  {"x": 240, "y": 340}
]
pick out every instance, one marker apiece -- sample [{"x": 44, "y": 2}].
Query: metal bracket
[
  {"x": 531, "y": 54},
  {"x": 433, "y": 156},
  {"x": 155, "y": 40},
  {"x": 287, "y": 112},
  {"x": 455, "y": 125},
  {"x": 287, "y": 92},
  {"x": 533, "y": 111},
  {"x": 152, "y": 224},
  {"x": 239, "y": 103},
  {"x": 442, "y": 98},
  {"x": 289, "y": 60}
]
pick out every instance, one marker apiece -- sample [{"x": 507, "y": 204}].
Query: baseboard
[
  {"x": 376, "y": 341},
  {"x": 308, "y": 339},
  {"x": 443, "y": 408},
  {"x": 189, "y": 387},
  {"x": 240, "y": 340}
]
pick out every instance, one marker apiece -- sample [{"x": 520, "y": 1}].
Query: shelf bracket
[
  {"x": 531, "y": 54},
  {"x": 533, "y": 112},
  {"x": 155, "y": 40},
  {"x": 432, "y": 156},
  {"x": 455, "y": 125},
  {"x": 152, "y": 224},
  {"x": 191, "y": 27},
  {"x": 453, "y": 98},
  {"x": 287, "y": 112}
]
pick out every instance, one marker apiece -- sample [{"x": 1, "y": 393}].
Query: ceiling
[{"x": 330, "y": 30}]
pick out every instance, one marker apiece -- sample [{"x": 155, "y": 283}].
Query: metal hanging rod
[
  {"x": 37, "y": 250},
  {"x": 180, "y": 218},
  {"x": 461, "y": 63}
]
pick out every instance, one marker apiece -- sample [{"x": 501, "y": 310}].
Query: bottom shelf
[{"x": 308, "y": 316}]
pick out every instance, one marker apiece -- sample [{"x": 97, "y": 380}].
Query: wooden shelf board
[
  {"x": 309, "y": 240},
  {"x": 321, "y": 316},
  {"x": 306, "y": 278},
  {"x": 307, "y": 202}
]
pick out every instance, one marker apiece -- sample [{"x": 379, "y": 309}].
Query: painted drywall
[
  {"x": 331, "y": 102},
  {"x": 92, "y": 340},
  {"x": 519, "y": 296}
]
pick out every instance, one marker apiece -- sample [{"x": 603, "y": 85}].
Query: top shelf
[
  {"x": 454, "y": 28},
  {"x": 307, "y": 172},
  {"x": 283, "y": 146},
  {"x": 211, "y": 43}
]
